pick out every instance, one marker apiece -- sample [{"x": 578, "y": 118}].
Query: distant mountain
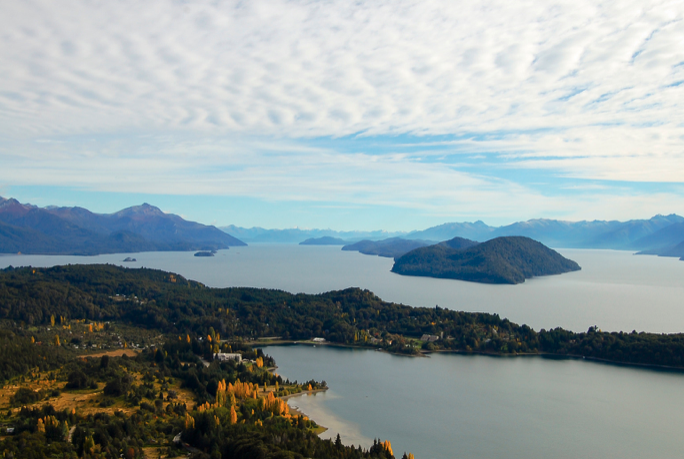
[
  {"x": 676, "y": 251},
  {"x": 503, "y": 260},
  {"x": 296, "y": 235},
  {"x": 73, "y": 230},
  {"x": 597, "y": 234},
  {"x": 391, "y": 248},
  {"x": 477, "y": 231},
  {"x": 325, "y": 240},
  {"x": 661, "y": 241}
]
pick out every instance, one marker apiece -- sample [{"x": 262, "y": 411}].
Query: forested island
[
  {"x": 390, "y": 248},
  {"x": 154, "y": 389},
  {"x": 503, "y": 260}
]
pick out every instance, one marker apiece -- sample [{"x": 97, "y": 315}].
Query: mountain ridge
[
  {"x": 30, "y": 229},
  {"x": 633, "y": 235}
]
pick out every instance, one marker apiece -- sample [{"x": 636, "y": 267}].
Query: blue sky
[{"x": 392, "y": 115}]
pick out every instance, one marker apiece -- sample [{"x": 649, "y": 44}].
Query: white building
[{"x": 224, "y": 356}]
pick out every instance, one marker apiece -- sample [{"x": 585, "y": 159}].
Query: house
[
  {"x": 429, "y": 338},
  {"x": 225, "y": 356},
  {"x": 318, "y": 340}
]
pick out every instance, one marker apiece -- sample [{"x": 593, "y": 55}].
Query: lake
[
  {"x": 459, "y": 406},
  {"x": 615, "y": 290},
  {"x": 471, "y": 406}
]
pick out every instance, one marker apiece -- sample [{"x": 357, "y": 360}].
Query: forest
[
  {"x": 135, "y": 408},
  {"x": 171, "y": 304},
  {"x": 163, "y": 395}
]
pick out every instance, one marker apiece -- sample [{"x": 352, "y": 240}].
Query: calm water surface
[
  {"x": 614, "y": 290},
  {"x": 455, "y": 406},
  {"x": 471, "y": 406}
]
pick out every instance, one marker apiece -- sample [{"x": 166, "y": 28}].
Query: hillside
[
  {"x": 662, "y": 241},
  {"x": 391, "y": 248},
  {"x": 170, "y": 304},
  {"x": 73, "y": 230},
  {"x": 503, "y": 260}
]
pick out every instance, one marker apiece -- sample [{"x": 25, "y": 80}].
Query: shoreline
[
  {"x": 422, "y": 353},
  {"x": 296, "y": 410}
]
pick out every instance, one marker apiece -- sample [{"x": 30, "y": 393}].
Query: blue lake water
[
  {"x": 614, "y": 290},
  {"x": 458, "y": 406},
  {"x": 472, "y": 406}
]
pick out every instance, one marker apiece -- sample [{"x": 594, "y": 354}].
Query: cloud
[
  {"x": 273, "y": 171},
  {"x": 306, "y": 68},
  {"x": 578, "y": 89}
]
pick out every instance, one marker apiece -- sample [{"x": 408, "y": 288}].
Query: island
[
  {"x": 205, "y": 253},
  {"x": 503, "y": 260},
  {"x": 129, "y": 260},
  {"x": 325, "y": 240},
  {"x": 391, "y": 248}
]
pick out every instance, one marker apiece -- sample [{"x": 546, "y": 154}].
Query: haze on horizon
[{"x": 328, "y": 114}]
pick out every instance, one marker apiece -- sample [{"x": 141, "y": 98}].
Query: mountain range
[
  {"x": 658, "y": 235},
  {"x": 77, "y": 231},
  {"x": 297, "y": 235}
]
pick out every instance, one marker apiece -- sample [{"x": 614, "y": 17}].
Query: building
[
  {"x": 224, "y": 356},
  {"x": 429, "y": 338}
]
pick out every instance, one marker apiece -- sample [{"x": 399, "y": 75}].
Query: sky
[{"x": 394, "y": 115}]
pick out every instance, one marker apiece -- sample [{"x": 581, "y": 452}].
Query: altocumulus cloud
[{"x": 583, "y": 89}]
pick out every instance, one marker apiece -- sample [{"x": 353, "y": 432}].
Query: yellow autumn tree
[
  {"x": 233, "y": 415},
  {"x": 274, "y": 405},
  {"x": 40, "y": 427},
  {"x": 52, "y": 320},
  {"x": 388, "y": 447},
  {"x": 56, "y": 341},
  {"x": 189, "y": 421},
  {"x": 259, "y": 362}
]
